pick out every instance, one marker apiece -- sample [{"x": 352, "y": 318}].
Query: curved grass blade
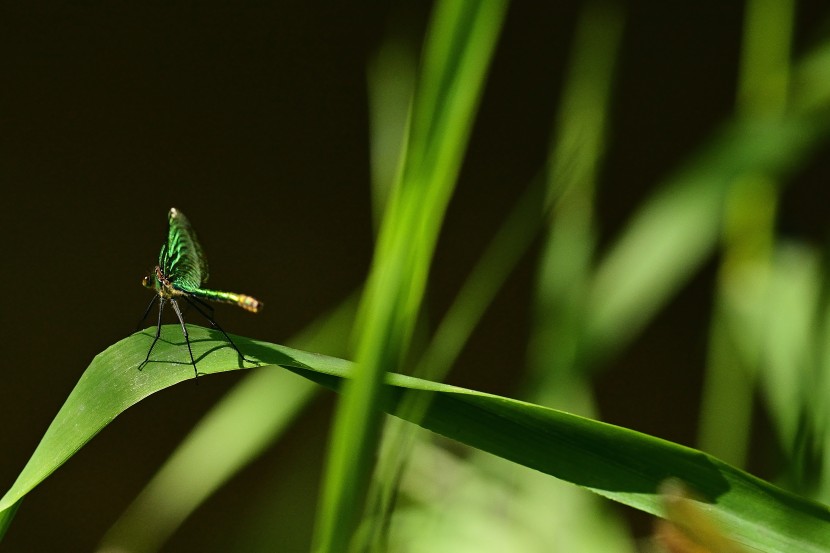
[
  {"x": 236, "y": 430},
  {"x": 111, "y": 384},
  {"x": 618, "y": 463},
  {"x": 615, "y": 462}
]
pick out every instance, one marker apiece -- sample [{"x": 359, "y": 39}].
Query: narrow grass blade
[
  {"x": 675, "y": 231},
  {"x": 821, "y": 409},
  {"x": 559, "y": 516},
  {"x": 788, "y": 355},
  {"x": 511, "y": 242},
  {"x": 6, "y": 517},
  {"x": 457, "y": 51},
  {"x": 747, "y": 242},
  {"x": 678, "y": 227},
  {"x": 391, "y": 80},
  {"x": 765, "y": 57}
]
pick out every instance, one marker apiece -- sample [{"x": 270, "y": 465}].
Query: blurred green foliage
[{"x": 769, "y": 334}]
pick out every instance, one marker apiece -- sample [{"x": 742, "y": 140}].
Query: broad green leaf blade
[
  {"x": 621, "y": 464},
  {"x": 250, "y": 417},
  {"x": 111, "y": 384},
  {"x": 618, "y": 463}
]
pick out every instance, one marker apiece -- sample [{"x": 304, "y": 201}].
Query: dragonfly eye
[{"x": 147, "y": 282}]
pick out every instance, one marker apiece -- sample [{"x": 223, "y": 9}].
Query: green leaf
[
  {"x": 6, "y": 517},
  {"x": 621, "y": 464},
  {"x": 111, "y": 384},
  {"x": 240, "y": 426},
  {"x": 678, "y": 227},
  {"x": 618, "y": 463}
]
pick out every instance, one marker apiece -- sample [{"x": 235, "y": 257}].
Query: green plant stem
[{"x": 735, "y": 334}]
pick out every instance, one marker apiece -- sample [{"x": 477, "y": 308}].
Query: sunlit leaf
[{"x": 618, "y": 463}]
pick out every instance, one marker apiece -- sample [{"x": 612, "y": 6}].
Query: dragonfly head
[{"x": 149, "y": 281}]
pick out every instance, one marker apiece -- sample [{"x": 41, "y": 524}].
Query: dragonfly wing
[
  {"x": 186, "y": 264},
  {"x": 163, "y": 257}
]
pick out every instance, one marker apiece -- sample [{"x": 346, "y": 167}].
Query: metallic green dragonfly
[{"x": 181, "y": 271}]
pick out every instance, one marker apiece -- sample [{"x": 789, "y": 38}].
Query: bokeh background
[{"x": 253, "y": 119}]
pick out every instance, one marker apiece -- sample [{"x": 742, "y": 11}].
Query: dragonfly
[{"x": 180, "y": 274}]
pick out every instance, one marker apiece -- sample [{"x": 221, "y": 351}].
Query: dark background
[{"x": 252, "y": 119}]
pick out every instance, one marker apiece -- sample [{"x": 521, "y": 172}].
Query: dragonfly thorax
[{"x": 160, "y": 283}]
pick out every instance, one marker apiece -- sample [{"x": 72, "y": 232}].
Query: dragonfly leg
[
  {"x": 158, "y": 329},
  {"x": 146, "y": 312},
  {"x": 186, "y": 336},
  {"x": 196, "y": 302}
]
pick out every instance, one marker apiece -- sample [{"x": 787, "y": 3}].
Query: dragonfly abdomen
[{"x": 244, "y": 301}]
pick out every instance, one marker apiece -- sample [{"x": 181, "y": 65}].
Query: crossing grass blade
[
  {"x": 556, "y": 375},
  {"x": 457, "y": 50},
  {"x": 618, "y": 463},
  {"x": 748, "y": 229}
]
